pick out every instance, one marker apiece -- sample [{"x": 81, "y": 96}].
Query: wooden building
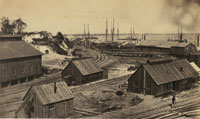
[
  {"x": 53, "y": 100},
  {"x": 162, "y": 76},
  {"x": 80, "y": 71},
  {"x": 178, "y": 49},
  {"x": 19, "y": 62},
  {"x": 168, "y": 47}
]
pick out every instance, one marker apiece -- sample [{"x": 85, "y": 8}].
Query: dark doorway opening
[
  {"x": 174, "y": 86},
  {"x": 30, "y": 78},
  {"x": 5, "y": 84},
  {"x": 22, "y": 80},
  {"x": 14, "y": 82}
]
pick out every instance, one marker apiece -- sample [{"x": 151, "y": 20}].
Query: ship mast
[
  {"x": 106, "y": 30},
  {"x": 113, "y": 30},
  {"x": 117, "y": 30},
  {"x": 88, "y": 31},
  {"x": 84, "y": 33}
]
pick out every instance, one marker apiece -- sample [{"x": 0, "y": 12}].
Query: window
[
  {"x": 51, "y": 106},
  {"x": 185, "y": 81},
  {"x": 14, "y": 71},
  {"x": 38, "y": 67},
  {"x": 31, "y": 68},
  {"x": 169, "y": 86},
  {"x": 23, "y": 69}
]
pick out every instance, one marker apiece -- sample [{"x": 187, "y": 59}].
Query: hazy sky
[{"x": 69, "y": 16}]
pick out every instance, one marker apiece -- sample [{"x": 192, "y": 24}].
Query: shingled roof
[
  {"x": 46, "y": 95},
  {"x": 17, "y": 49},
  {"x": 87, "y": 66},
  {"x": 167, "y": 72},
  {"x": 9, "y": 36},
  {"x": 161, "y": 43}
]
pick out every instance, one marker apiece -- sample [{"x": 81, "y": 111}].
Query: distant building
[
  {"x": 80, "y": 71},
  {"x": 19, "y": 62},
  {"x": 179, "y": 49},
  {"x": 5, "y": 37},
  {"x": 168, "y": 47},
  {"x": 159, "y": 77},
  {"x": 54, "y": 100}
]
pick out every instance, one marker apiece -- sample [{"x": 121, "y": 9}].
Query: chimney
[
  {"x": 181, "y": 35},
  {"x": 178, "y": 33},
  {"x": 88, "y": 31},
  {"x": 131, "y": 34},
  {"x": 144, "y": 36},
  {"x": 168, "y": 72},
  {"x": 55, "y": 87},
  {"x": 198, "y": 40},
  {"x": 181, "y": 68}
]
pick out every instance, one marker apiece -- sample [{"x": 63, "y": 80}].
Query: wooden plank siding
[
  {"x": 136, "y": 84},
  {"x": 62, "y": 108},
  {"x": 92, "y": 77},
  {"x": 72, "y": 70},
  {"x": 151, "y": 49},
  {"x": 142, "y": 82},
  {"x": 76, "y": 75},
  {"x": 190, "y": 48},
  {"x": 13, "y": 69}
]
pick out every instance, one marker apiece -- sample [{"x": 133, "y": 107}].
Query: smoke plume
[{"x": 183, "y": 12}]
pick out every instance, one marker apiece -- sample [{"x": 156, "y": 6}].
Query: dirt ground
[
  {"x": 119, "y": 69},
  {"x": 105, "y": 99},
  {"x": 149, "y": 103}
]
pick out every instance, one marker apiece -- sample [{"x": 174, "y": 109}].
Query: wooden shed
[
  {"x": 83, "y": 71},
  {"x": 169, "y": 47},
  {"x": 53, "y": 100},
  {"x": 162, "y": 76},
  {"x": 19, "y": 62}
]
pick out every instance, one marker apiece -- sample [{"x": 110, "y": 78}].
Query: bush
[{"x": 119, "y": 93}]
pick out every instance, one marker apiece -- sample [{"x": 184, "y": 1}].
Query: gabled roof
[
  {"x": 9, "y": 36},
  {"x": 195, "y": 66},
  {"x": 46, "y": 95},
  {"x": 167, "y": 72},
  {"x": 162, "y": 43},
  {"x": 87, "y": 66},
  {"x": 17, "y": 49}
]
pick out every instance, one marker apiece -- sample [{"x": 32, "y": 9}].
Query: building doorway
[{"x": 174, "y": 86}]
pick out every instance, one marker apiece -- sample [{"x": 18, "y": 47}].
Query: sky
[{"x": 69, "y": 16}]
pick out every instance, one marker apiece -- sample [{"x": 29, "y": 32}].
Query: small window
[
  {"x": 38, "y": 67},
  {"x": 31, "y": 68},
  {"x": 23, "y": 69},
  {"x": 185, "y": 81},
  {"x": 169, "y": 85},
  {"x": 14, "y": 71},
  {"x": 51, "y": 106}
]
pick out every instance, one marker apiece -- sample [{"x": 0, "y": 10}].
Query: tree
[
  {"x": 11, "y": 27},
  {"x": 60, "y": 35},
  {"x": 7, "y": 26},
  {"x": 19, "y": 25}
]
